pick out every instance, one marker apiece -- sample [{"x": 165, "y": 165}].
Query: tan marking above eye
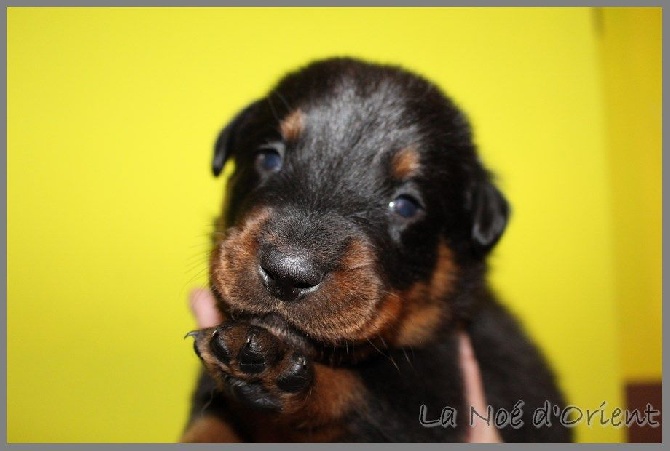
[
  {"x": 292, "y": 125},
  {"x": 405, "y": 163}
]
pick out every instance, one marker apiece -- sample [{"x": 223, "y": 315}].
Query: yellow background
[{"x": 112, "y": 114}]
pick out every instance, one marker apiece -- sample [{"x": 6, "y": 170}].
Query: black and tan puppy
[{"x": 350, "y": 250}]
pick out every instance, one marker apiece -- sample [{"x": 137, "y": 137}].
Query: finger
[
  {"x": 203, "y": 306},
  {"x": 479, "y": 431}
]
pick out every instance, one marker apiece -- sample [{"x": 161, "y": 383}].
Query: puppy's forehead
[
  {"x": 370, "y": 120},
  {"x": 368, "y": 128}
]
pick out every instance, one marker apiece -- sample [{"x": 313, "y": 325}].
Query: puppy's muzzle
[{"x": 291, "y": 274}]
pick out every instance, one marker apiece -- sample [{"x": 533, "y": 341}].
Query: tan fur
[
  {"x": 292, "y": 125},
  {"x": 424, "y": 303},
  {"x": 405, "y": 163}
]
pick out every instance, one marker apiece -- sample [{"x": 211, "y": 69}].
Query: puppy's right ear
[{"x": 225, "y": 143}]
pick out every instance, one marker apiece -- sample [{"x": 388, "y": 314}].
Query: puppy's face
[{"x": 356, "y": 204}]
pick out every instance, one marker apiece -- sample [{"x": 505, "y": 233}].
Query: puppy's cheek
[
  {"x": 233, "y": 263},
  {"x": 352, "y": 305},
  {"x": 426, "y": 304},
  {"x": 384, "y": 319},
  {"x": 342, "y": 313},
  {"x": 367, "y": 310}
]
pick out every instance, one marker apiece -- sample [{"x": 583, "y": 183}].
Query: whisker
[
  {"x": 385, "y": 355},
  {"x": 411, "y": 365},
  {"x": 384, "y": 342}
]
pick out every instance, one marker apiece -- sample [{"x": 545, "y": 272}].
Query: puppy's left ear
[
  {"x": 489, "y": 212},
  {"x": 225, "y": 143}
]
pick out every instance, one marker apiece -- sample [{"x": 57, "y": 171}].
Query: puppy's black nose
[{"x": 289, "y": 275}]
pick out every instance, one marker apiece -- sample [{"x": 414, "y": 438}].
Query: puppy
[{"x": 350, "y": 251}]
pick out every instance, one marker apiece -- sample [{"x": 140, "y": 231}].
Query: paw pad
[{"x": 253, "y": 365}]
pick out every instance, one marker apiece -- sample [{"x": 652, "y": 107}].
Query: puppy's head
[{"x": 356, "y": 206}]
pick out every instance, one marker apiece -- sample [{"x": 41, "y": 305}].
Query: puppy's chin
[
  {"x": 309, "y": 323},
  {"x": 324, "y": 345}
]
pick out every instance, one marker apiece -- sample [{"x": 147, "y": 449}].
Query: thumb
[
  {"x": 203, "y": 307},
  {"x": 479, "y": 432}
]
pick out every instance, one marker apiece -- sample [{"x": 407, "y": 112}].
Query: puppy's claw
[{"x": 194, "y": 333}]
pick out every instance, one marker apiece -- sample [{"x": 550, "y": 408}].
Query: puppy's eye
[
  {"x": 405, "y": 206},
  {"x": 269, "y": 157}
]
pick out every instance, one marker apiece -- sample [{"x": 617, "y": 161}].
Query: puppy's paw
[{"x": 255, "y": 366}]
